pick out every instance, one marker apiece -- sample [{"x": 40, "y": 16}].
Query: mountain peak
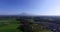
[{"x": 25, "y": 14}]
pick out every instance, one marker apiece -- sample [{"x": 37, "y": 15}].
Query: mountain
[{"x": 25, "y": 14}]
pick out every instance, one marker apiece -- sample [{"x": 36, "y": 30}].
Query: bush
[{"x": 39, "y": 27}]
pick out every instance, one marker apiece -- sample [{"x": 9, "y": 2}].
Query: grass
[
  {"x": 39, "y": 28},
  {"x": 9, "y": 28},
  {"x": 12, "y": 26}
]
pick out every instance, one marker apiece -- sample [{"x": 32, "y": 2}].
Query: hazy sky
[{"x": 38, "y": 7}]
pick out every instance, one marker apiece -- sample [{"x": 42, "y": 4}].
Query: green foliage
[
  {"x": 9, "y": 28},
  {"x": 31, "y": 20},
  {"x": 40, "y": 28},
  {"x": 10, "y": 25}
]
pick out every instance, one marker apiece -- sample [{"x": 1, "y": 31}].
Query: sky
[{"x": 36, "y": 7}]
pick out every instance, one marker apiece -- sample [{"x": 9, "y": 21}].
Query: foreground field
[
  {"x": 9, "y": 28},
  {"x": 10, "y": 25}
]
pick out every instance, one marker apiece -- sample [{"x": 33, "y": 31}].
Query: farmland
[{"x": 10, "y": 25}]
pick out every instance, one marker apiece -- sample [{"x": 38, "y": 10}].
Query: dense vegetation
[{"x": 10, "y": 25}]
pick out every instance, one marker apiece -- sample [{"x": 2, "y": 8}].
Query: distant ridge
[{"x": 25, "y": 14}]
